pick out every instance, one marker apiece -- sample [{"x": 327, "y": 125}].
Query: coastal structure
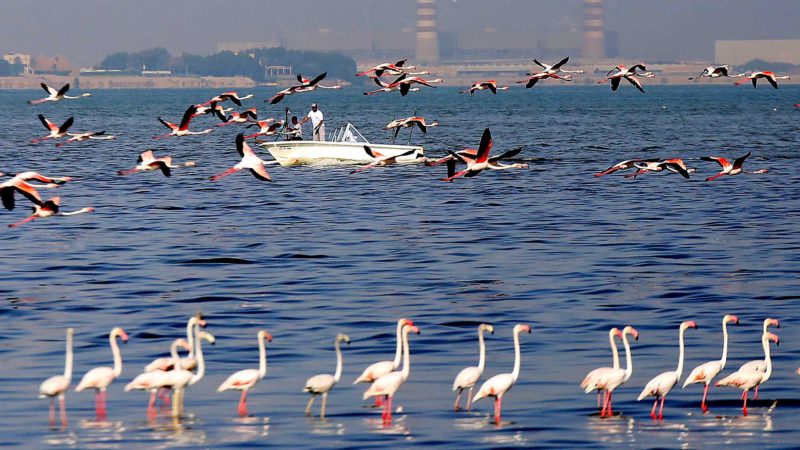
[
  {"x": 741, "y": 52},
  {"x": 593, "y": 34},
  {"x": 427, "y": 36}
]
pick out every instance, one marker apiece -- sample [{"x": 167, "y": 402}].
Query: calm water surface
[{"x": 320, "y": 252}]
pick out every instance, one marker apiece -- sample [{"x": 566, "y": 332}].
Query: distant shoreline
[{"x": 125, "y": 82}]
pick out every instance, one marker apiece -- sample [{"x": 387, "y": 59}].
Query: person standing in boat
[
  {"x": 317, "y": 122},
  {"x": 294, "y": 132}
]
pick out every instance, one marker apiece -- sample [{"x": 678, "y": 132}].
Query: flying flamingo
[
  {"x": 468, "y": 377},
  {"x": 746, "y": 380},
  {"x": 154, "y": 380},
  {"x": 244, "y": 380},
  {"x": 100, "y": 378},
  {"x": 474, "y": 166},
  {"x": 616, "y": 75},
  {"x": 249, "y": 161},
  {"x": 19, "y": 183},
  {"x": 498, "y": 385},
  {"x": 390, "y": 69},
  {"x": 80, "y": 137},
  {"x": 555, "y": 68},
  {"x": 305, "y": 85},
  {"x": 55, "y": 95},
  {"x": 760, "y": 365},
  {"x": 232, "y": 96},
  {"x": 493, "y": 163},
  {"x": 245, "y": 116},
  {"x": 491, "y": 85},
  {"x": 189, "y": 362},
  {"x": 56, "y": 132},
  {"x": 387, "y": 385},
  {"x": 388, "y": 87},
  {"x": 549, "y": 72},
  {"x": 308, "y": 82},
  {"x": 673, "y": 165},
  {"x": 381, "y": 368},
  {"x": 706, "y": 372},
  {"x": 624, "y": 165},
  {"x": 614, "y": 378},
  {"x": 323, "y": 383},
  {"x": 662, "y": 384},
  {"x": 380, "y": 159},
  {"x": 179, "y": 379},
  {"x": 58, "y": 385},
  {"x": 148, "y": 161},
  {"x": 265, "y": 128},
  {"x": 214, "y": 108},
  {"x": 769, "y": 76},
  {"x": 591, "y": 381},
  {"x": 408, "y": 122},
  {"x": 715, "y": 72},
  {"x": 183, "y": 128},
  {"x": 731, "y": 169},
  {"x": 47, "y": 209}
]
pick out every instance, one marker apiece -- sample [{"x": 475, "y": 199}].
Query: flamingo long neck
[
  {"x": 173, "y": 352},
  {"x": 482, "y": 358},
  {"x": 190, "y": 335},
  {"x": 68, "y": 364},
  {"x": 399, "y": 349},
  {"x": 262, "y": 356},
  {"x": 201, "y": 364},
  {"x": 338, "y": 373},
  {"x": 112, "y": 339},
  {"x": 515, "y": 373},
  {"x": 614, "y": 351},
  {"x": 679, "y": 370},
  {"x": 628, "y": 358},
  {"x": 724, "y": 345},
  {"x": 406, "y": 359},
  {"x": 767, "y": 358}
]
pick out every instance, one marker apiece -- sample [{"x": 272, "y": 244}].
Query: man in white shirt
[
  {"x": 317, "y": 122},
  {"x": 294, "y": 131}
]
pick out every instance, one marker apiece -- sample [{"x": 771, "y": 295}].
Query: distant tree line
[
  {"x": 8, "y": 70},
  {"x": 250, "y": 63}
]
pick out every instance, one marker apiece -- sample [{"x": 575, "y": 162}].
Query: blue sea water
[{"x": 321, "y": 252}]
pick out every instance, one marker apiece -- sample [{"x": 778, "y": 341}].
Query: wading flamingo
[
  {"x": 323, "y": 383},
  {"x": 244, "y": 380},
  {"x": 388, "y": 384},
  {"x": 730, "y": 169},
  {"x": 56, "y": 132},
  {"x": 760, "y": 365},
  {"x": 381, "y": 368},
  {"x": 498, "y": 385},
  {"x": 188, "y": 362},
  {"x": 249, "y": 161},
  {"x": 179, "y": 379},
  {"x": 155, "y": 380},
  {"x": 183, "y": 128},
  {"x": 617, "y": 377},
  {"x": 746, "y": 380},
  {"x": 55, "y": 95},
  {"x": 468, "y": 377},
  {"x": 662, "y": 384},
  {"x": 49, "y": 208},
  {"x": 58, "y": 385},
  {"x": 706, "y": 372},
  {"x": 100, "y": 378},
  {"x": 591, "y": 381}
]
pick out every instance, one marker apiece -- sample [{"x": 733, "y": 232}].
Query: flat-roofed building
[{"x": 741, "y": 52}]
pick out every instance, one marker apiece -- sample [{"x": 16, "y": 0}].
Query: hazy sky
[{"x": 85, "y": 31}]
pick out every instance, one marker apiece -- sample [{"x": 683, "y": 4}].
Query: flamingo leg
[
  {"x": 661, "y": 409},
  {"x": 703, "y": 405},
  {"x": 755, "y": 397},
  {"x": 224, "y": 174},
  {"x": 175, "y": 403},
  {"x": 62, "y": 410},
  {"x": 498, "y": 405},
  {"x": 609, "y": 412},
  {"x": 378, "y": 401},
  {"x": 52, "y": 412},
  {"x": 744, "y": 408},
  {"x": 388, "y": 409},
  {"x": 469, "y": 399},
  {"x": 598, "y": 398},
  {"x": 653, "y": 411},
  {"x": 151, "y": 405},
  {"x": 744, "y": 395},
  {"x": 243, "y": 404},
  {"x": 324, "y": 403},
  {"x": 605, "y": 404},
  {"x": 456, "y": 405},
  {"x": 310, "y": 403}
]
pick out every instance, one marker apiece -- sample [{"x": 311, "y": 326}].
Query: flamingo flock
[{"x": 678, "y": 165}]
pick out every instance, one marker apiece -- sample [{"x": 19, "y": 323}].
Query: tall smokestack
[
  {"x": 427, "y": 39},
  {"x": 593, "y": 37}
]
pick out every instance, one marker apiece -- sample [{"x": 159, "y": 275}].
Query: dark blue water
[{"x": 320, "y": 252}]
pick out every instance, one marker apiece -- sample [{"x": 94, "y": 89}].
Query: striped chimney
[
  {"x": 427, "y": 39},
  {"x": 593, "y": 37}
]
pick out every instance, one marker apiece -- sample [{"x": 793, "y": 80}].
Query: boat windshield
[{"x": 348, "y": 134}]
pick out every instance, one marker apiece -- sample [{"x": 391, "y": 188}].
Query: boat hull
[{"x": 289, "y": 153}]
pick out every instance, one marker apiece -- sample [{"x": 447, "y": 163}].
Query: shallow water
[{"x": 320, "y": 252}]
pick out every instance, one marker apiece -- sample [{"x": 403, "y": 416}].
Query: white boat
[{"x": 346, "y": 146}]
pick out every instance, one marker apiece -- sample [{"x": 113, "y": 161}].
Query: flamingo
[
  {"x": 474, "y": 166},
  {"x": 662, "y": 384},
  {"x": 760, "y": 365},
  {"x": 308, "y": 82},
  {"x": 389, "y": 87},
  {"x": 148, "y": 161},
  {"x": 731, "y": 169},
  {"x": 214, "y": 108},
  {"x": 179, "y": 378},
  {"x": 56, "y": 132},
  {"x": 615, "y": 378},
  {"x": 706, "y": 372},
  {"x": 409, "y": 122},
  {"x": 265, "y": 128},
  {"x": 624, "y": 165},
  {"x": 380, "y": 159},
  {"x": 468, "y": 377},
  {"x": 156, "y": 379},
  {"x": 183, "y": 128},
  {"x": 323, "y": 383},
  {"x": 305, "y": 85},
  {"x": 389, "y": 68},
  {"x": 249, "y": 161},
  {"x": 549, "y": 72},
  {"x": 769, "y": 76},
  {"x": 498, "y": 385},
  {"x": 590, "y": 382},
  {"x": 746, "y": 380},
  {"x": 491, "y": 85},
  {"x": 534, "y": 78},
  {"x": 673, "y": 165},
  {"x": 100, "y": 378},
  {"x": 715, "y": 72},
  {"x": 381, "y": 368},
  {"x": 55, "y": 95},
  {"x": 388, "y": 384},
  {"x": 19, "y": 183},
  {"x": 616, "y": 74},
  {"x": 232, "y": 96},
  {"x": 556, "y": 68},
  {"x": 189, "y": 362},
  {"x": 245, "y": 116},
  {"x": 57, "y": 386},
  {"x": 47, "y": 209},
  {"x": 80, "y": 137},
  {"x": 244, "y": 380}
]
